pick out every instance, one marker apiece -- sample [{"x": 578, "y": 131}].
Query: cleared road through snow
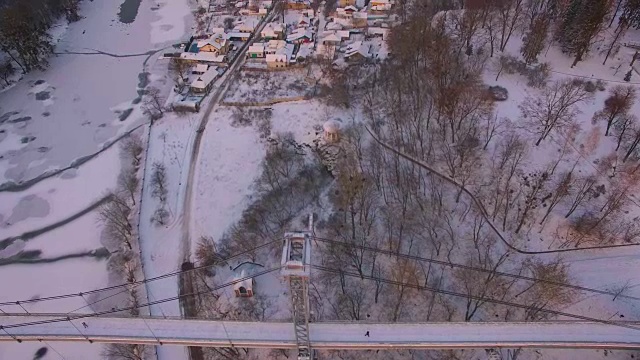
[{"x": 324, "y": 335}]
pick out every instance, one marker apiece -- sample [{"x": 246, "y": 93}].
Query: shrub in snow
[
  {"x": 498, "y": 93},
  {"x": 160, "y": 216}
]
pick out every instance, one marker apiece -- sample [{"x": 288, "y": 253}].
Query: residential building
[
  {"x": 298, "y": 4},
  {"x": 273, "y": 31},
  {"x": 346, "y": 12},
  {"x": 273, "y": 46},
  {"x": 357, "y": 52},
  {"x": 216, "y": 43},
  {"x": 199, "y": 69},
  {"x": 255, "y": 51},
  {"x": 281, "y": 57},
  {"x": 360, "y": 20},
  {"x": 330, "y": 38},
  {"x": 299, "y": 36},
  {"x": 381, "y": 5},
  {"x": 247, "y": 26},
  {"x": 203, "y": 83},
  {"x": 345, "y": 3},
  {"x": 238, "y": 36},
  {"x": 377, "y": 32},
  {"x": 203, "y": 58}
]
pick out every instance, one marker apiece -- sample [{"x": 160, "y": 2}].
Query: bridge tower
[{"x": 296, "y": 266}]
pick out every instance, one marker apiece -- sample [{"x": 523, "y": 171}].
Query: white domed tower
[{"x": 331, "y": 131}]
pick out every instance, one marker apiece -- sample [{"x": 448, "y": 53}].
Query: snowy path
[{"x": 326, "y": 335}]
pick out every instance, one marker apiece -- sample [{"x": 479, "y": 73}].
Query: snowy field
[{"x": 256, "y": 86}]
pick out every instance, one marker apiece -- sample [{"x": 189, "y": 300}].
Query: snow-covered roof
[
  {"x": 205, "y": 79},
  {"x": 248, "y": 25},
  {"x": 282, "y": 54},
  {"x": 299, "y": 34},
  {"x": 203, "y": 56},
  {"x": 378, "y": 31},
  {"x": 331, "y": 37},
  {"x": 274, "y": 46},
  {"x": 358, "y": 47},
  {"x": 238, "y": 34},
  {"x": 331, "y": 126},
  {"x": 350, "y": 8},
  {"x": 256, "y": 48},
  {"x": 266, "y": 4},
  {"x": 200, "y": 68},
  {"x": 344, "y": 34},
  {"x": 217, "y": 41},
  {"x": 333, "y": 26}
]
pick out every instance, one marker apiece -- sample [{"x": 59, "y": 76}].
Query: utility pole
[{"x": 296, "y": 267}]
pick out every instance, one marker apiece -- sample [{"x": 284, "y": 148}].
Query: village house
[
  {"x": 346, "y": 12},
  {"x": 281, "y": 56},
  {"x": 381, "y": 5},
  {"x": 300, "y": 36},
  {"x": 298, "y": 4},
  {"x": 357, "y": 52},
  {"x": 203, "y": 58},
  {"x": 199, "y": 69},
  {"x": 273, "y": 31},
  {"x": 377, "y": 32},
  {"x": 304, "y": 22},
  {"x": 360, "y": 19},
  {"x": 217, "y": 44},
  {"x": 330, "y": 38},
  {"x": 247, "y": 26},
  {"x": 262, "y": 13},
  {"x": 273, "y": 46},
  {"x": 238, "y": 36},
  {"x": 203, "y": 83},
  {"x": 255, "y": 51},
  {"x": 345, "y": 3}
]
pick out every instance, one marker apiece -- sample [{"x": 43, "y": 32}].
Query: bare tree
[
  {"x": 128, "y": 181},
  {"x": 115, "y": 216},
  {"x": 482, "y": 286},
  {"x": 6, "y": 71},
  {"x": 205, "y": 253},
  {"x": 630, "y": 141},
  {"x": 620, "y": 101},
  {"x": 554, "y": 108},
  {"x": 125, "y": 352},
  {"x": 179, "y": 70},
  {"x": 491, "y": 127},
  {"x": 624, "y": 123},
  {"x": 509, "y": 13},
  {"x": 534, "y": 184},
  {"x": 132, "y": 146},
  {"x": 541, "y": 295},
  {"x": 159, "y": 182},
  {"x": 561, "y": 189},
  {"x": 153, "y": 104},
  {"x": 583, "y": 192}
]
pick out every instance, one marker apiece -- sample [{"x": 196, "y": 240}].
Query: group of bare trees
[
  {"x": 118, "y": 216},
  {"x": 431, "y": 104},
  {"x": 159, "y": 192}
]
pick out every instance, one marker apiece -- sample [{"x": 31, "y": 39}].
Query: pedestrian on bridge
[{"x": 367, "y": 334}]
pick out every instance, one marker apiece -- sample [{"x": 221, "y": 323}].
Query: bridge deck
[{"x": 324, "y": 335}]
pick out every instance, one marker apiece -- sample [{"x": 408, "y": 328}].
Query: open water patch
[{"x": 129, "y": 11}]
